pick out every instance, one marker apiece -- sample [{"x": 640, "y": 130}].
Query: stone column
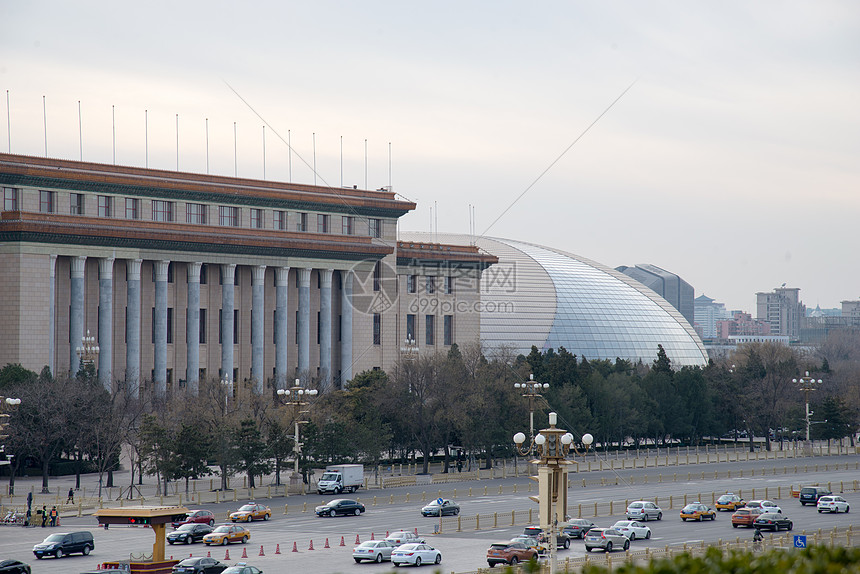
[
  {"x": 76, "y": 316},
  {"x": 325, "y": 326},
  {"x": 106, "y": 322},
  {"x": 304, "y": 321},
  {"x": 228, "y": 272},
  {"x": 346, "y": 329},
  {"x": 192, "y": 352},
  {"x": 160, "y": 325},
  {"x": 281, "y": 337},
  {"x": 258, "y": 320},
  {"x": 52, "y": 314},
  {"x": 132, "y": 328}
]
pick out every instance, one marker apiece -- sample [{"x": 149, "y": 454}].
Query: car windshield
[
  {"x": 55, "y": 538},
  {"x": 636, "y": 505},
  {"x": 186, "y": 527},
  {"x": 248, "y": 507},
  {"x": 329, "y": 476},
  {"x": 222, "y": 528},
  {"x": 725, "y": 498}
]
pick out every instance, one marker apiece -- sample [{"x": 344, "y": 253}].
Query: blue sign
[
  {"x": 439, "y": 501},
  {"x": 799, "y": 541}
]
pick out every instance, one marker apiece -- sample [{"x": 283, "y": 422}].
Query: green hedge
[{"x": 812, "y": 560}]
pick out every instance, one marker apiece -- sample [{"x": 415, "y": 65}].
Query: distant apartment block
[
  {"x": 707, "y": 312},
  {"x": 783, "y": 310},
  {"x": 741, "y": 325},
  {"x": 668, "y": 285}
]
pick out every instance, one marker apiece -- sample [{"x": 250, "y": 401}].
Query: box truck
[{"x": 339, "y": 478}]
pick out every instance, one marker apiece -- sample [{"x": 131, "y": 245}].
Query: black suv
[
  {"x": 811, "y": 494},
  {"x": 60, "y": 544}
]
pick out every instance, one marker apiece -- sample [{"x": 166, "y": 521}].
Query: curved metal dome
[{"x": 548, "y": 298}]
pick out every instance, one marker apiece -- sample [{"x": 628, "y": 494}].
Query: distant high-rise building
[
  {"x": 668, "y": 285},
  {"x": 741, "y": 325},
  {"x": 707, "y": 312},
  {"x": 783, "y": 310}
]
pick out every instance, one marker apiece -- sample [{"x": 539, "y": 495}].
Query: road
[{"x": 461, "y": 551}]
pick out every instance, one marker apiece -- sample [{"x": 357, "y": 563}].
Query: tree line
[{"x": 430, "y": 406}]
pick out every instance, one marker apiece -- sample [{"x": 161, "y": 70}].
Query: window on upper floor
[
  {"x": 132, "y": 208},
  {"x": 76, "y": 203},
  {"x": 47, "y": 201},
  {"x": 280, "y": 220},
  {"x": 377, "y": 329},
  {"x": 348, "y": 225},
  {"x": 302, "y": 222},
  {"x": 410, "y": 327},
  {"x": 448, "y": 330},
  {"x": 374, "y": 227},
  {"x": 430, "y": 329},
  {"x": 228, "y": 215},
  {"x": 431, "y": 284},
  {"x": 411, "y": 283},
  {"x": 163, "y": 210},
  {"x": 10, "y": 199},
  {"x": 377, "y": 276},
  {"x": 196, "y": 213},
  {"x": 449, "y": 285},
  {"x": 322, "y": 223},
  {"x": 256, "y": 218},
  {"x": 105, "y": 206}
]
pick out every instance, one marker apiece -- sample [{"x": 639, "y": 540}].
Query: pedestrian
[
  {"x": 28, "y": 517},
  {"x": 44, "y": 513},
  {"x": 53, "y": 516},
  {"x": 71, "y": 498}
]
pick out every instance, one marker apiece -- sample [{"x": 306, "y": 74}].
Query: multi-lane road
[{"x": 466, "y": 550}]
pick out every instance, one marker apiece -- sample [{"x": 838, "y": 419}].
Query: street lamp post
[
  {"x": 6, "y": 403},
  {"x": 551, "y": 445},
  {"x": 531, "y": 390},
  {"x": 807, "y": 384},
  {"x": 295, "y": 397},
  {"x": 88, "y": 351}
]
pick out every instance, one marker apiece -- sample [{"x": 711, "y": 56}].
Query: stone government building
[{"x": 183, "y": 277}]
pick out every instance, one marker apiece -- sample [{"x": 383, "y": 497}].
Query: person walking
[
  {"x": 44, "y": 513},
  {"x": 71, "y": 497},
  {"x": 54, "y": 516}
]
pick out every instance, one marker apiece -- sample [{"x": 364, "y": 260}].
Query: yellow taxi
[
  {"x": 227, "y": 533},
  {"x": 730, "y": 501},
  {"x": 251, "y": 511},
  {"x": 698, "y": 511}
]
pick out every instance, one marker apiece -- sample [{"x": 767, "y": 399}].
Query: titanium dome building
[{"x": 548, "y": 298}]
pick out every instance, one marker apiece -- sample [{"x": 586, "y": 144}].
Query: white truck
[{"x": 339, "y": 478}]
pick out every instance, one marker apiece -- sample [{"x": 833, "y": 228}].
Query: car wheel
[
  {"x": 58, "y": 553},
  {"x": 417, "y": 561},
  {"x": 357, "y": 511},
  {"x": 244, "y": 540},
  {"x": 647, "y": 535},
  {"x": 332, "y": 513},
  {"x": 514, "y": 561},
  {"x": 790, "y": 526},
  {"x": 684, "y": 519},
  {"x": 338, "y": 490},
  {"x": 588, "y": 548},
  {"x": 86, "y": 551},
  {"x": 170, "y": 542},
  {"x": 714, "y": 516},
  {"x": 378, "y": 558},
  {"x": 566, "y": 543},
  {"x": 491, "y": 564},
  {"x": 265, "y": 517},
  {"x": 626, "y": 544},
  {"x": 396, "y": 564},
  {"x": 224, "y": 541},
  {"x": 211, "y": 522},
  {"x": 457, "y": 511},
  {"x": 734, "y": 525},
  {"x": 357, "y": 560},
  {"x": 608, "y": 547},
  {"x": 820, "y": 511},
  {"x": 632, "y": 536},
  {"x": 701, "y": 517},
  {"x": 189, "y": 540},
  {"x": 847, "y": 508},
  {"x": 659, "y": 516}
]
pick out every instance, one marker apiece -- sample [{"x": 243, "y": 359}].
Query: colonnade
[{"x": 77, "y": 288}]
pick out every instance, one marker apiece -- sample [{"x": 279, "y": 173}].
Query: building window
[
  {"x": 235, "y": 326},
  {"x": 431, "y": 284},
  {"x": 169, "y": 325},
  {"x": 275, "y": 326},
  {"x": 76, "y": 203},
  {"x": 322, "y": 223},
  {"x": 377, "y": 276},
  {"x": 10, "y": 199},
  {"x": 162, "y": 210},
  {"x": 302, "y": 223},
  {"x": 256, "y": 218},
  {"x": 411, "y": 283},
  {"x": 204, "y": 274},
  {"x": 195, "y": 213},
  {"x": 132, "y": 208},
  {"x": 105, "y": 206},
  {"x": 375, "y": 227},
  {"x": 280, "y": 222},
  {"x": 448, "y": 330},
  {"x": 449, "y": 285},
  {"x": 348, "y": 225},
  {"x": 47, "y": 201},
  {"x": 430, "y": 329},
  {"x": 228, "y": 216},
  {"x": 202, "y": 326},
  {"x": 410, "y": 327},
  {"x": 377, "y": 329}
]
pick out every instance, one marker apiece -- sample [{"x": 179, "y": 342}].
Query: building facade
[
  {"x": 707, "y": 313},
  {"x": 183, "y": 277},
  {"x": 667, "y": 285},
  {"x": 783, "y": 310}
]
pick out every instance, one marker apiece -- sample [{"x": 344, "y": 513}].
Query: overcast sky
[{"x": 733, "y": 160}]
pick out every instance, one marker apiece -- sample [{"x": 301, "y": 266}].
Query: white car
[
  {"x": 644, "y": 510},
  {"x": 416, "y": 554},
  {"x": 833, "y": 503},
  {"x": 373, "y": 550},
  {"x": 633, "y": 529},
  {"x": 399, "y": 537},
  {"x": 765, "y": 505}
]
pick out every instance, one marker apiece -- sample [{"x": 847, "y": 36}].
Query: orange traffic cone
[
  {"x": 209, "y": 554},
  {"x": 326, "y": 544},
  {"x": 311, "y": 547},
  {"x": 277, "y": 548},
  {"x": 357, "y": 541},
  {"x": 371, "y": 536},
  {"x": 227, "y": 554},
  {"x": 386, "y": 533},
  {"x": 295, "y": 549},
  {"x": 261, "y": 551},
  {"x": 342, "y": 543},
  {"x": 416, "y": 532},
  {"x": 244, "y": 552}
]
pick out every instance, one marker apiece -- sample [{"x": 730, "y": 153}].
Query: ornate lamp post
[
  {"x": 88, "y": 351},
  {"x": 807, "y": 384},
  {"x": 552, "y": 445},
  {"x": 296, "y": 397},
  {"x": 409, "y": 350},
  {"x": 531, "y": 390}
]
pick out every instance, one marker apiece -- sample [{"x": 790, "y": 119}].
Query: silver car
[
  {"x": 606, "y": 539},
  {"x": 644, "y": 510},
  {"x": 373, "y": 551}
]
